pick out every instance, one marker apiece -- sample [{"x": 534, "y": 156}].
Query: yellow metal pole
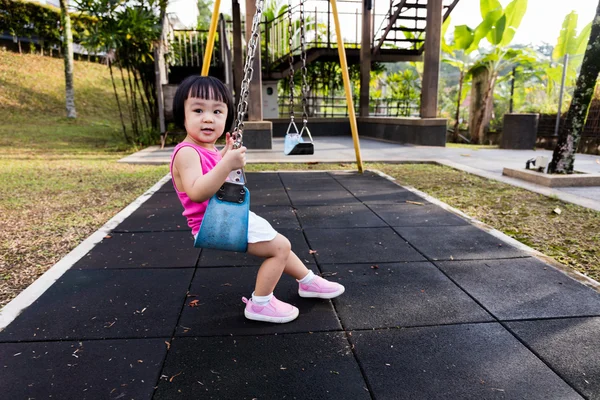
[
  {"x": 210, "y": 43},
  {"x": 346, "y": 76}
]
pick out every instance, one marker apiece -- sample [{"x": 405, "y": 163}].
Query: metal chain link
[
  {"x": 242, "y": 108},
  {"x": 291, "y": 60},
  {"x": 305, "y": 87}
]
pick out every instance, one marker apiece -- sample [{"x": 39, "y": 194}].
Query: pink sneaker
[
  {"x": 320, "y": 288},
  {"x": 275, "y": 311}
]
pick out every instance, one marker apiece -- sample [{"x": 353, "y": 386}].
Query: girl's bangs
[{"x": 204, "y": 89}]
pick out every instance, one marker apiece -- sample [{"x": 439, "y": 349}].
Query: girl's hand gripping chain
[{"x": 234, "y": 158}]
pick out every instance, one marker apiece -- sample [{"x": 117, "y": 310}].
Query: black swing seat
[{"x": 305, "y": 148}]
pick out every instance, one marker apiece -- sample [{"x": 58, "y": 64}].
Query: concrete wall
[{"x": 426, "y": 132}]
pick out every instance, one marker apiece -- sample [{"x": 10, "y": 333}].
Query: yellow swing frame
[{"x": 343, "y": 63}]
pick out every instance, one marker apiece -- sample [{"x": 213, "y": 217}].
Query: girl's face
[{"x": 205, "y": 120}]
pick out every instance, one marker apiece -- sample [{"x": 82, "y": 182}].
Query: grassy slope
[{"x": 59, "y": 179}]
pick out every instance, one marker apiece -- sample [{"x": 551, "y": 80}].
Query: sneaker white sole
[
  {"x": 275, "y": 320},
  {"x": 331, "y": 295}
]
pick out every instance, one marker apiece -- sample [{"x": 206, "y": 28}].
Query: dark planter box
[{"x": 519, "y": 131}]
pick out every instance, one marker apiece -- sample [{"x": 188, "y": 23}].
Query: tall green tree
[
  {"x": 563, "y": 158},
  {"x": 457, "y": 53},
  {"x": 127, "y": 32},
  {"x": 68, "y": 57},
  {"x": 205, "y": 11},
  {"x": 570, "y": 44},
  {"x": 499, "y": 26}
]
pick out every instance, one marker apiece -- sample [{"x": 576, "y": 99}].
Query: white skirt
[{"x": 259, "y": 229}]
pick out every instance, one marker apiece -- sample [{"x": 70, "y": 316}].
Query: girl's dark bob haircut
[{"x": 203, "y": 87}]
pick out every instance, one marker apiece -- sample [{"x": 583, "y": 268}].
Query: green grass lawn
[
  {"x": 60, "y": 182},
  {"x": 59, "y": 178}
]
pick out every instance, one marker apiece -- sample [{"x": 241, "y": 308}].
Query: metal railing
[
  {"x": 337, "y": 106},
  {"x": 186, "y": 47}
]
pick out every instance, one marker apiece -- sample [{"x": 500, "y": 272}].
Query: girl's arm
[{"x": 200, "y": 187}]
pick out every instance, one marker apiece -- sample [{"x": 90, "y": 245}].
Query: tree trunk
[
  {"x": 68, "y": 57},
  {"x": 456, "y": 123},
  {"x": 112, "y": 78},
  {"x": 132, "y": 119},
  {"x": 481, "y": 104},
  {"x": 563, "y": 158}
]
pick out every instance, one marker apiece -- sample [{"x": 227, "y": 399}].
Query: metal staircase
[
  {"x": 400, "y": 37},
  {"x": 405, "y": 28}
]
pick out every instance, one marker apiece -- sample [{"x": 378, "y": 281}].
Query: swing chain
[
  {"x": 248, "y": 71},
  {"x": 291, "y": 60},
  {"x": 305, "y": 87}
]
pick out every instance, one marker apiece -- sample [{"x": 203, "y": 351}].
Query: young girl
[{"x": 203, "y": 106}]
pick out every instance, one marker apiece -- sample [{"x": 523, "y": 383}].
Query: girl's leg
[
  {"x": 276, "y": 253},
  {"x": 295, "y": 267}
]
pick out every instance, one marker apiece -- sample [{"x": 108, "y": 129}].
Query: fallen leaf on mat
[
  {"x": 374, "y": 266},
  {"x": 194, "y": 303},
  {"x": 171, "y": 380},
  {"x": 415, "y": 202},
  {"x": 557, "y": 211},
  {"x": 312, "y": 251}
]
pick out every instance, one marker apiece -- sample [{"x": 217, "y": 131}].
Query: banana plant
[
  {"x": 498, "y": 27},
  {"x": 563, "y": 158},
  {"x": 457, "y": 53},
  {"x": 571, "y": 44}
]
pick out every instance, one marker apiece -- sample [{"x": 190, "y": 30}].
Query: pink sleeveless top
[{"x": 194, "y": 212}]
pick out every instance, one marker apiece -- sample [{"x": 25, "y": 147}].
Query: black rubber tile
[
  {"x": 269, "y": 197},
  {"x": 400, "y": 295},
  {"x": 263, "y": 181},
  {"x": 107, "y": 369},
  {"x": 215, "y": 306},
  {"x": 457, "y": 243},
  {"x": 523, "y": 288},
  {"x": 321, "y": 198},
  {"x": 161, "y": 212},
  {"x": 142, "y": 250},
  {"x": 220, "y": 258},
  {"x": 375, "y": 183},
  {"x": 416, "y": 215},
  {"x": 167, "y": 188},
  {"x": 162, "y": 200},
  {"x": 310, "y": 182},
  {"x": 353, "y": 175},
  {"x": 280, "y": 217},
  {"x": 359, "y": 245},
  {"x": 104, "y": 304},
  {"x": 342, "y": 216},
  {"x": 397, "y": 195},
  {"x": 298, "y": 366},
  {"x": 570, "y": 346},
  {"x": 471, "y": 361}
]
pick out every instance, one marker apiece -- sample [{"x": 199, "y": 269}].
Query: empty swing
[
  {"x": 225, "y": 222},
  {"x": 294, "y": 143}
]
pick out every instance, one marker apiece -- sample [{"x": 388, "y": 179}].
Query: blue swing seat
[{"x": 225, "y": 223}]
